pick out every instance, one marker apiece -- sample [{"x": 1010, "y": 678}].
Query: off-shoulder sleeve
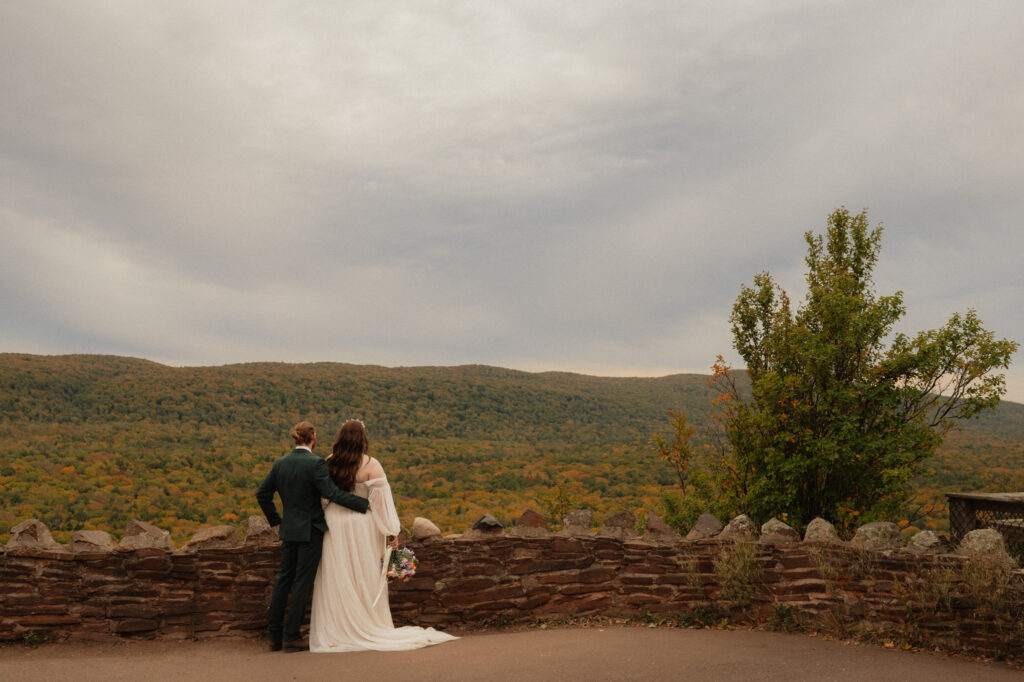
[{"x": 382, "y": 507}]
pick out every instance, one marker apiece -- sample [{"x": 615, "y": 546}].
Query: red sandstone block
[
  {"x": 106, "y": 591},
  {"x": 573, "y": 607},
  {"x": 153, "y": 577},
  {"x": 250, "y": 578},
  {"x": 591, "y": 604},
  {"x": 142, "y": 553},
  {"x": 417, "y": 583},
  {"x": 135, "y": 625},
  {"x": 560, "y": 544},
  {"x": 483, "y": 569},
  {"x": 601, "y": 543},
  {"x": 209, "y": 605},
  {"x": 267, "y": 568},
  {"x": 525, "y": 553},
  {"x": 798, "y": 573},
  {"x": 91, "y": 580},
  {"x": 558, "y": 556},
  {"x": 795, "y": 561},
  {"x": 15, "y": 565},
  {"x": 243, "y": 607},
  {"x": 37, "y": 610},
  {"x": 216, "y": 579},
  {"x": 208, "y": 625},
  {"x": 56, "y": 575},
  {"x": 436, "y": 619},
  {"x": 89, "y": 630},
  {"x": 135, "y": 592},
  {"x": 474, "y": 599},
  {"x": 534, "y": 600},
  {"x": 132, "y": 611},
  {"x": 569, "y": 590},
  {"x": 672, "y": 580},
  {"x": 408, "y": 614},
  {"x": 626, "y": 579},
  {"x": 251, "y": 586},
  {"x": 506, "y": 590},
  {"x": 408, "y": 598},
  {"x": 83, "y": 557},
  {"x": 216, "y": 566},
  {"x": 470, "y": 584},
  {"x": 122, "y": 600},
  {"x": 177, "y": 631},
  {"x": 15, "y": 587},
  {"x": 648, "y": 568},
  {"x": 544, "y": 566},
  {"x": 91, "y": 611},
  {"x": 56, "y": 594},
  {"x": 102, "y": 560},
  {"x": 804, "y": 586},
  {"x": 590, "y": 575},
  {"x": 48, "y": 619},
  {"x": 23, "y": 599},
  {"x": 176, "y": 591},
  {"x": 161, "y": 563},
  {"x": 489, "y": 607},
  {"x": 47, "y": 556},
  {"x": 176, "y": 620}
]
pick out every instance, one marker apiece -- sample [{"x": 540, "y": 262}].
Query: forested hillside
[{"x": 93, "y": 441}]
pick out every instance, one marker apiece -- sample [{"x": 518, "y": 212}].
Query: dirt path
[{"x": 609, "y": 653}]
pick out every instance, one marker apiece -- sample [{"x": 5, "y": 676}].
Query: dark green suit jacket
[{"x": 301, "y": 478}]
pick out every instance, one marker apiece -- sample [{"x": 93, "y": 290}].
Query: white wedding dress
[{"x": 350, "y": 595}]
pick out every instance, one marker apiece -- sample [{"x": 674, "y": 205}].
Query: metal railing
[{"x": 1003, "y": 512}]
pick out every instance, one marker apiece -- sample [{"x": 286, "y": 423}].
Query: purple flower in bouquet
[{"x": 402, "y": 564}]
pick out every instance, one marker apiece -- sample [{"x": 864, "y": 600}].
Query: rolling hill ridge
[{"x": 92, "y": 441}]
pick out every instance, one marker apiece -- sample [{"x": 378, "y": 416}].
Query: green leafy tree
[
  {"x": 708, "y": 479},
  {"x": 841, "y": 413},
  {"x": 679, "y": 451}
]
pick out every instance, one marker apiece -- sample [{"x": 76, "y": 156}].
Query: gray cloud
[{"x": 573, "y": 186}]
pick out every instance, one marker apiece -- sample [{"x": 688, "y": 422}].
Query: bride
[{"x": 350, "y": 595}]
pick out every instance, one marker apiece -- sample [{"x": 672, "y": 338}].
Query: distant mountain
[
  {"x": 92, "y": 441},
  {"x": 473, "y": 401}
]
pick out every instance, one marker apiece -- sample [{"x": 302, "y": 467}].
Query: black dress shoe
[
  {"x": 275, "y": 644},
  {"x": 297, "y": 645}
]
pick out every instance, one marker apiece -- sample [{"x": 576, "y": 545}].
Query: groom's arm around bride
[{"x": 301, "y": 479}]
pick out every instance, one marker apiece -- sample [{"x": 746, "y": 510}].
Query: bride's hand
[{"x": 393, "y": 544}]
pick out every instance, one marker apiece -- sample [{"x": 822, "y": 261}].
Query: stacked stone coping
[
  {"x": 33, "y": 538},
  {"x": 218, "y": 584}
]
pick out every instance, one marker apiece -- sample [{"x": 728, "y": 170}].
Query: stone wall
[{"x": 921, "y": 593}]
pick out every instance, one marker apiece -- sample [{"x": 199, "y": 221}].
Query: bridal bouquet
[{"x": 402, "y": 564}]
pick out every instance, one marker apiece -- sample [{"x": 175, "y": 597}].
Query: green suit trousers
[{"x": 299, "y": 561}]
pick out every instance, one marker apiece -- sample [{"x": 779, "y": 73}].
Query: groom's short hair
[{"x": 303, "y": 433}]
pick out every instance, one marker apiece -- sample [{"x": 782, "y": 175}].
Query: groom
[{"x": 301, "y": 478}]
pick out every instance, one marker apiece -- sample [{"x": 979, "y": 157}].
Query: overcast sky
[{"x": 535, "y": 185}]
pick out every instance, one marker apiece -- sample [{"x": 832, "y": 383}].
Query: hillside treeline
[{"x": 93, "y": 441}]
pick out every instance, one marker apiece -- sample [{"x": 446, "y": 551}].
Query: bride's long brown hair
[{"x": 347, "y": 454}]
